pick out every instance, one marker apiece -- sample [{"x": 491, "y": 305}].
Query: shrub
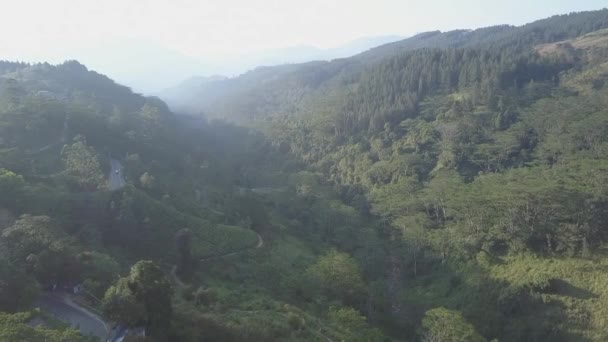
[{"x": 295, "y": 321}]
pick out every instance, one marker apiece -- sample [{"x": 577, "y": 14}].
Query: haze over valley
[{"x": 170, "y": 172}]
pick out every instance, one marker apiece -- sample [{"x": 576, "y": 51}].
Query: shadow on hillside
[
  {"x": 562, "y": 287},
  {"x": 497, "y": 309}
]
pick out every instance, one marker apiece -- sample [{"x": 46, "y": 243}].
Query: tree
[
  {"x": 443, "y": 325},
  {"x": 7, "y": 218},
  {"x": 17, "y": 290},
  {"x": 120, "y": 305},
  {"x": 147, "y": 180},
  {"x": 339, "y": 274},
  {"x": 81, "y": 163},
  {"x": 149, "y": 285},
  {"x": 11, "y": 188},
  {"x": 100, "y": 271},
  {"x": 29, "y": 234},
  {"x": 183, "y": 241},
  {"x": 354, "y": 326},
  {"x": 143, "y": 297},
  {"x": 151, "y": 121},
  {"x": 15, "y": 327},
  {"x": 38, "y": 244}
]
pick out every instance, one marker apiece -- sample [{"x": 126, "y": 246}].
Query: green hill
[
  {"x": 447, "y": 187},
  {"x": 45, "y": 106},
  {"x": 475, "y": 150},
  {"x": 190, "y": 201}
]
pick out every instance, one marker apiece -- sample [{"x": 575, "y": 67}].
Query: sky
[{"x": 56, "y": 30}]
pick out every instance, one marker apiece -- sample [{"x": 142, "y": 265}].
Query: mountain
[
  {"x": 300, "y": 54},
  {"x": 143, "y": 66},
  {"x": 483, "y": 154},
  {"x": 158, "y": 67},
  {"x": 160, "y": 220},
  {"x": 446, "y": 187},
  {"x": 358, "y": 46},
  {"x": 309, "y": 80},
  {"x": 188, "y": 90}
]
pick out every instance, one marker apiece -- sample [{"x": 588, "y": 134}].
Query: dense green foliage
[
  {"x": 15, "y": 328},
  {"x": 444, "y": 325},
  {"x": 194, "y": 191},
  {"x": 470, "y": 149},
  {"x": 142, "y": 298},
  {"x": 448, "y": 187}
]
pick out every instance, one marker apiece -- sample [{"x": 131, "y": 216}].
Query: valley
[{"x": 446, "y": 187}]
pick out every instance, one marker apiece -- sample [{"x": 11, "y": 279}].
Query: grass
[
  {"x": 161, "y": 220},
  {"x": 208, "y": 238},
  {"x": 597, "y": 39},
  {"x": 249, "y": 289}
]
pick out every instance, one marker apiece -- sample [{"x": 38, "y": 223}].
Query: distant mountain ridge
[
  {"x": 185, "y": 91},
  {"x": 159, "y": 67},
  {"x": 299, "y": 84}
]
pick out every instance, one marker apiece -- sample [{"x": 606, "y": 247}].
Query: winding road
[
  {"x": 61, "y": 306},
  {"x": 116, "y": 179}
]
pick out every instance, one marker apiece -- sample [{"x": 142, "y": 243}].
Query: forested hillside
[
  {"x": 448, "y": 187},
  {"x": 193, "y": 230},
  {"x": 480, "y": 156},
  {"x": 504, "y": 53}
]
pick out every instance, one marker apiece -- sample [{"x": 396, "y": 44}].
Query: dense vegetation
[
  {"x": 480, "y": 156},
  {"x": 199, "y": 196},
  {"x": 448, "y": 187}
]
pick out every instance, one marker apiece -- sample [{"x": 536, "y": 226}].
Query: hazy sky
[
  {"x": 50, "y": 29},
  {"x": 150, "y": 45}
]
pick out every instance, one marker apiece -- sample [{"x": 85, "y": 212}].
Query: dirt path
[{"x": 180, "y": 283}]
